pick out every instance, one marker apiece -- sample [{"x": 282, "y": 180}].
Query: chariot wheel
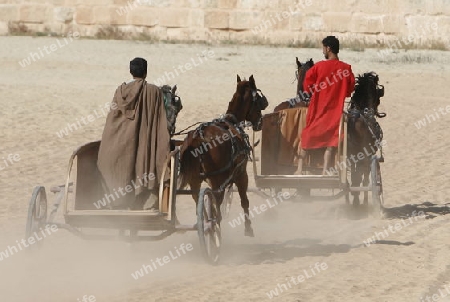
[
  {"x": 377, "y": 187},
  {"x": 37, "y": 212},
  {"x": 208, "y": 225}
]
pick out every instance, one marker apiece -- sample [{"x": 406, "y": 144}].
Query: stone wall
[{"x": 421, "y": 22}]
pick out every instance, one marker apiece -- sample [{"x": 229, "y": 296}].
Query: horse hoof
[{"x": 249, "y": 233}]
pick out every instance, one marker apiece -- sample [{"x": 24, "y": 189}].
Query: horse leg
[
  {"x": 219, "y": 198},
  {"x": 356, "y": 181},
  {"x": 195, "y": 185},
  {"x": 366, "y": 182},
  {"x": 242, "y": 185}
]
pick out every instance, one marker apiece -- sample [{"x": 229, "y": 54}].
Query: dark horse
[
  {"x": 364, "y": 132},
  {"x": 299, "y": 100},
  {"x": 217, "y": 152},
  {"x": 172, "y": 104}
]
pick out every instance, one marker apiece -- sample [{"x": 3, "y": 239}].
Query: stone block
[
  {"x": 422, "y": 28},
  {"x": 198, "y": 34},
  {"x": 9, "y": 12},
  {"x": 180, "y": 34},
  {"x": 281, "y": 37},
  {"x": 96, "y": 2},
  {"x": 337, "y": 22},
  {"x": 363, "y": 23},
  {"x": 211, "y": 4},
  {"x": 70, "y": 3},
  {"x": 393, "y": 24},
  {"x": 215, "y": 36},
  {"x": 122, "y": 2},
  {"x": 275, "y": 20},
  {"x": 312, "y": 23},
  {"x": 197, "y": 18},
  {"x": 33, "y": 13},
  {"x": 295, "y": 22},
  {"x": 4, "y": 28},
  {"x": 443, "y": 23},
  {"x": 36, "y": 27},
  {"x": 63, "y": 14},
  {"x": 176, "y": 17},
  {"x": 185, "y": 3},
  {"x": 84, "y": 15},
  {"x": 410, "y": 7},
  {"x": 227, "y": 4},
  {"x": 246, "y": 36},
  {"x": 302, "y": 6},
  {"x": 117, "y": 16},
  {"x": 102, "y": 15},
  {"x": 376, "y": 6},
  {"x": 145, "y": 16},
  {"x": 217, "y": 19},
  {"x": 240, "y": 20},
  {"x": 438, "y": 7}
]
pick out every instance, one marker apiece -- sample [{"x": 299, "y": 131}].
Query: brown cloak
[{"x": 135, "y": 141}]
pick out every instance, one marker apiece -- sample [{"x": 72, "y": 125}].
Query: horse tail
[{"x": 189, "y": 162}]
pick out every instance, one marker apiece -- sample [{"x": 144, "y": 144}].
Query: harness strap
[
  {"x": 235, "y": 150},
  {"x": 368, "y": 116}
]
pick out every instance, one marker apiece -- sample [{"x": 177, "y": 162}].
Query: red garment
[{"x": 330, "y": 82}]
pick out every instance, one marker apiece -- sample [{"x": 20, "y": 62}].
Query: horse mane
[{"x": 365, "y": 95}]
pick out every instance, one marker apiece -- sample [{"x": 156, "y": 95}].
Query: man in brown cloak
[{"x": 135, "y": 142}]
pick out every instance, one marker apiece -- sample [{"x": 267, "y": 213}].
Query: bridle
[
  {"x": 379, "y": 94},
  {"x": 259, "y": 102}
]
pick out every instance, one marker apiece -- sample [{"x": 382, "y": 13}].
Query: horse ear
[
  {"x": 252, "y": 81},
  {"x": 298, "y": 62},
  {"x": 238, "y": 79},
  {"x": 174, "y": 88},
  {"x": 311, "y": 60}
]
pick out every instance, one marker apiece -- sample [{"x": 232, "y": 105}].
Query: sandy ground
[{"x": 411, "y": 264}]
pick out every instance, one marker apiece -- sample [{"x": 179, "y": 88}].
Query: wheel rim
[
  {"x": 380, "y": 184},
  {"x": 377, "y": 190},
  {"x": 211, "y": 229},
  {"x": 226, "y": 203},
  {"x": 37, "y": 212}
]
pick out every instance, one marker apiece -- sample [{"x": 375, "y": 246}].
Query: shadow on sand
[
  {"x": 254, "y": 254},
  {"x": 280, "y": 252},
  {"x": 431, "y": 210}
]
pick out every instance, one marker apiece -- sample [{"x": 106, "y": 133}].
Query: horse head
[
  {"x": 367, "y": 93},
  {"x": 173, "y": 105},
  {"x": 247, "y": 103},
  {"x": 301, "y": 73}
]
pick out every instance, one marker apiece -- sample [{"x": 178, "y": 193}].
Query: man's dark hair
[
  {"x": 332, "y": 42},
  {"x": 138, "y": 67}
]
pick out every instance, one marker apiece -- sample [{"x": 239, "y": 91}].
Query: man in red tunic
[{"x": 329, "y": 82}]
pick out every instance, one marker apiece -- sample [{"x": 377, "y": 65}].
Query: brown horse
[
  {"x": 364, "y": 132},
  {"x": 217, "y": 152},
  {"x": 301, "y": 99}
]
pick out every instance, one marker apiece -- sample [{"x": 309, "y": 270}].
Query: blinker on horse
[{"x": 224, "y": 164}]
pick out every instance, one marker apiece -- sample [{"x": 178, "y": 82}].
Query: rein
[{"x": 189, "y": 127}]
